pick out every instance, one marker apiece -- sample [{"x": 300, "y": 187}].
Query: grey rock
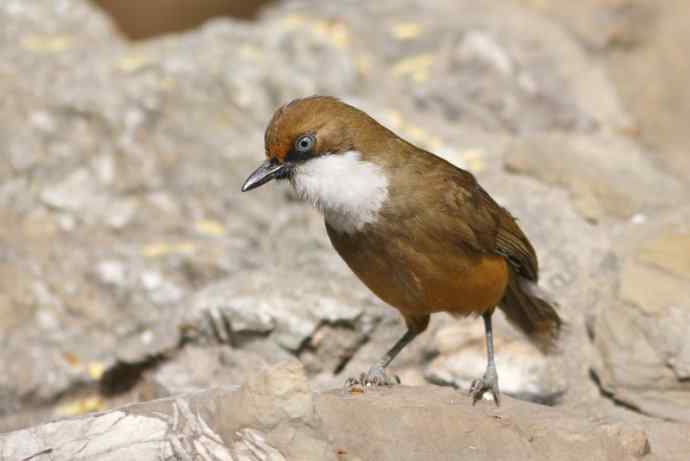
[
  {"x": 670, "y": 440},
  {"x": 524, "y": 372},
  {"x": 280, "y": 404},
  {"x": 638, "y": 41},
  {"x": 108, "y": 436},
  {"x": 229, "y": 314},
  {"x": 195, "y": 368},
  {"x": 290, "y": 304},
  {"x": 607, "y": 176},
  {"x": 330, "y": 347},
  {"x": 642, "y": 339},
  {"x": 276, "y": 415},
  {"x": 73, "y": 193},
  {"x": 205, "y": 425},
  {"x": 442, "y": 64},
  {"x": 160, "y": 291},
  {"x": 252, "y": 444},
  {"x": 80, "y": 193},
  {"x": 364, "y": 424},
  {"x": 112, "y": 272}
]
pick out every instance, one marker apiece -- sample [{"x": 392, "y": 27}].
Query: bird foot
[
  {"x": 376, "y": 376},
  {"x": 489, "y": 382}
]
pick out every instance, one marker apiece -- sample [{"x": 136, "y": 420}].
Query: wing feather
[{"x": 478, "y": 222}]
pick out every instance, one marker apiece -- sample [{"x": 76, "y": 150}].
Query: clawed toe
[
  {"x": 489, "y": 382},
  {"x": 375, "y": 377}
]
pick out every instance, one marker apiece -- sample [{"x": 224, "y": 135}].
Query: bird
[{"x": 418, "y": 231}]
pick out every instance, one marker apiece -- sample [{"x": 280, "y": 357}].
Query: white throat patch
[{"x": 349, "y": 191}]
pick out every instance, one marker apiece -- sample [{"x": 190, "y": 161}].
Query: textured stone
[
  {"x": 524, "y": 372},
  {"x": 290, "y": 305},
  {"x": 276, "y": 416},
  {"x": 451, "y": 428},
  {"x": 606, "y": 175},
  {"x": 642, "y": 340}
]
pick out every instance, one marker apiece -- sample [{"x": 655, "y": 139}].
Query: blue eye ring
[{"x": 305, "y": 143}]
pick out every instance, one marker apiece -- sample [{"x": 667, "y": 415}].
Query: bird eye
[{"x": 305, "y": 143}]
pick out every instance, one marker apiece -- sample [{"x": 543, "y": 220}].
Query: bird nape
[{"x": 419, "y": 232}]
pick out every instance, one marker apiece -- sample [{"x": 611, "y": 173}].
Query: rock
[
  {"x": 451, "y": 427},
  {"x": 277, "y": 418},
  {"x": 72, "y": 194},
  {"x": 669, "y": 252},
  {"x": 161, "y": 291},
  {"x": 601, "y": 24},
  {"x": 330, "y": 347},
  {"x": 278, "y": 405},
  {"x": 195, "y": 368},
  {"x": 112, "y": 272},
  {"x": 638, "y": 41},
  {"x": 607, "y": 176},
  {"x": 276, "y": 394},
  {"x": 15, "y": 291},
  {"x": 290, "y": 305},
  {"x": 275, "y": 415},
  {"x": 670, "y": 440},
  {"x": 466, "y": 69},
  {"x": 635, "y": 442},
  {"x": 639, "y": 71},
  {"x": 642, "y": 341},
  {"x": 523, "y": 371},
  {"x": 380, "y": 337}
]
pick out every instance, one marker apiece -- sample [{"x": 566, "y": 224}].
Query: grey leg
[
  {"x": 489, "y": 381},
  {"x": 376, "y": 376}
]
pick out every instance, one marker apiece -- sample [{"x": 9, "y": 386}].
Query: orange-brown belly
[
  {"x": 423, "y": 282},
  {"x": 474, "y": 289}
]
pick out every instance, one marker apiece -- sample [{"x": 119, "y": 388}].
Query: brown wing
[{"x": 471, "y": 217}]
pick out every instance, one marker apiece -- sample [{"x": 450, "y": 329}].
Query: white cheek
[{"x": 349, "y": 191}]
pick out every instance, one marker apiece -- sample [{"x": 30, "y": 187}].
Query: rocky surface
[
  {"x": 606, "y": 175},
  {"x": 276, "y": 416},
  {"x": 131, "y": 268},
  {"x": 643, "y": 339},
  {"x": 641, "y": 43}
]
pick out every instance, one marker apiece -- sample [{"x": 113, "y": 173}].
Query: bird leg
[
  {"x": 376, "y": 376},
  {"x": 489, "y": 382}
]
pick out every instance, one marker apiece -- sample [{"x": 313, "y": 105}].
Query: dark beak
[{"x": 266, "y": 172}]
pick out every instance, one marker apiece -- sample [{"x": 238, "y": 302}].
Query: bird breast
[{"x": 348, "y": 190}]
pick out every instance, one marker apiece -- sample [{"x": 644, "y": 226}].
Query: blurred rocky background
[{"x": 132, "y": 269}]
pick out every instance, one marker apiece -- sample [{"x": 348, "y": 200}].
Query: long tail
[{"x": 527, "y": 307}]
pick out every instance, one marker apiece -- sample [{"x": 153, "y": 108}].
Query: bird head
[
  {"x": 336, "y": 157},
  {"x": 306, "y": 129}
]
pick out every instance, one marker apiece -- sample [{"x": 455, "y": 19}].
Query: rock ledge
[{"x": 276, "y": 416}]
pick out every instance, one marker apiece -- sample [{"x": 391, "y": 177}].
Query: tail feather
[{"x": 528, "y": 307}]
